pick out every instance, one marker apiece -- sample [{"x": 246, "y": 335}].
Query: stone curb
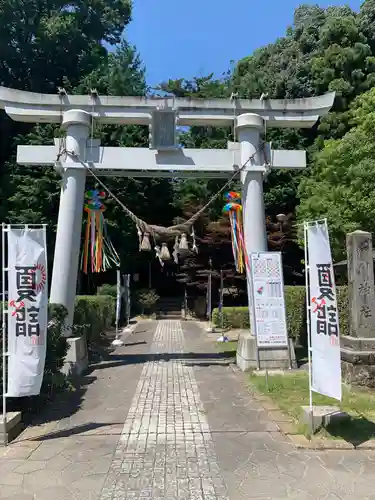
[
  {"x": 126, "y": 331},
  {"x": 287, "y": 427}
]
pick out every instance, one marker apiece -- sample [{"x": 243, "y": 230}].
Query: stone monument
[{"x": 358, "y": 348}]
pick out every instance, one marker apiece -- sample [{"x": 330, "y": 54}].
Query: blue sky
[{"x": 203, "y": 36}]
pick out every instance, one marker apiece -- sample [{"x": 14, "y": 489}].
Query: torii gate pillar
[
  {"x": 68, "y": 237},
  {"x": 249, "y": 127}
]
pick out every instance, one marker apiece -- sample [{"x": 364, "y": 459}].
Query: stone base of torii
[{"x": 163, "y": 159}]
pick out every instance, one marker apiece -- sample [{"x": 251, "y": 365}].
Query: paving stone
[
  {"x": 31, "y": 466},
  {"x": 11, "y": 479},
  {"x": 171, "y": 391},
  {"x": 41, "y": 479},
  {"x": 54, "y": 493},
  {"x": 13, "y": 492},
  {"x": 158, "y": 423}
]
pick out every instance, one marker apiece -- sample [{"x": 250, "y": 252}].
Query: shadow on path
[
  {"x": 78, "y": 429},
  {"x": 131, "y": 359},
  {"x": 353, "y": 430},
  {"x": 66, "y": 403}
]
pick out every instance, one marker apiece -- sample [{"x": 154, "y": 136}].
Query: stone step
[
  {"x": 13, "y": 427},
  {"x": 168, "y": 316}
]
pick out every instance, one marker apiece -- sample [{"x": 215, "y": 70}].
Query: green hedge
[
  {"x": 57, "y": 348},
  {"x": 238, "y": 317},
  {"x": 107, "y": 289},
  {"x": 93, "y": 315}
]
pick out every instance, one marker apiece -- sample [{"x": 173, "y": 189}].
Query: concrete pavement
[{"x": 165, "y": 417}]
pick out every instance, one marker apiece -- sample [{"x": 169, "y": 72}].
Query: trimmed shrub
[
  {"x": 343, "y": 307},
  {"x": 93, "y": 315},
  {"x": 57, "y": 348},
  {"x": 295, "y": 308},
  {"x": 146, "y": 300},
  {"x": 232, "y": 317},
  {"x": 107, "y": 289},
  {"x": 238, "y": 317}
]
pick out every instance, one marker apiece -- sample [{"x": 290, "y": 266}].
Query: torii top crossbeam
[
  {"x": 47, "y": 108},
  {"x": 76, "y": 113}
]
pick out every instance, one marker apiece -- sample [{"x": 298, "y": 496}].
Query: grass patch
[
  {"x": 290, "y": 392},
  {"x": 230, "y": 348}
]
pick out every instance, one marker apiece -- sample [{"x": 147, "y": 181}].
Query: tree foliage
[
  {"x": 49, "y": 43},
  {"x": 341, "y": 184},
  {"x": 56, "y": 42}
]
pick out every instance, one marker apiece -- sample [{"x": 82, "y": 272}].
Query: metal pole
[
  {"x": 289, "y": 354},
  {"x": 185, "y": 302},
  {"x": 308, "y": 313},
  {"x": 258, "y": 357},
  {"x": 128, "y": 303},
  {"x": 252, "y": 309},
  {"x": 209, "y": 299},
  {"x": 4, "y": 311},
  {"x": 118, "y": 341},
  {"x": 221, "y": 299},
  {"x": 287, "y": 338}
]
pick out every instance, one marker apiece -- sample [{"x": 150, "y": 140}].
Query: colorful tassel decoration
[
  {"x": 233, "y": 208},
  {"x": 98, "y": 252}
]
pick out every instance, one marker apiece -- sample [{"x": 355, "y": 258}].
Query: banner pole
[
  {"x": 127, "y": 299},
  {"x": 118, "y": 341},
  {"x": 210, "y": 328},
  {"x": 308, "y": 329},
  {"x": 4, "y": 309},
  {"x": 252, "y": 312}
]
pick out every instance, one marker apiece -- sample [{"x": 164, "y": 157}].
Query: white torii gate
[{"x": 76, "y": 113}]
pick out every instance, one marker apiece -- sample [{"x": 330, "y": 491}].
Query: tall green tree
[
  {"x": 340, "y": 186},
  {"x": 54, "y": 42},
  {"x": 324, "y": 50},
  {"x": 45, "y": 44}
]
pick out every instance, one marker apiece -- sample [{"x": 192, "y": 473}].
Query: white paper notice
[{"x": 269, "y": 303}]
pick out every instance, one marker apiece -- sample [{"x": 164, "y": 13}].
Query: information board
[{"x": 269, "y": 304}]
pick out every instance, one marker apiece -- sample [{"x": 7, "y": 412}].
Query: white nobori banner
[
  {"x": 325, "y": 334},
  {"x": 27, "y": 310}
]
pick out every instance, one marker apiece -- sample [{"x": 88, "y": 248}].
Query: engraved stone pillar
[
  {"x": 358, "y": 348},
  {"x": 361, "y": 284}
]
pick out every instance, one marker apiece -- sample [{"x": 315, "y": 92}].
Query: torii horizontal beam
[
  {"x": 47, "y": 108},
  {"x": 143, "y": 162}
]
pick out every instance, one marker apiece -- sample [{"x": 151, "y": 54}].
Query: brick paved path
[{"x": 165, "y": 418}]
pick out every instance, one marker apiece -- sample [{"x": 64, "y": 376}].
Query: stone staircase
[{"x": 169, "y": 308}]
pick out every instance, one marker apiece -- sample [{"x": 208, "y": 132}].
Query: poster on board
[{"x": 268, "y": 295}]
